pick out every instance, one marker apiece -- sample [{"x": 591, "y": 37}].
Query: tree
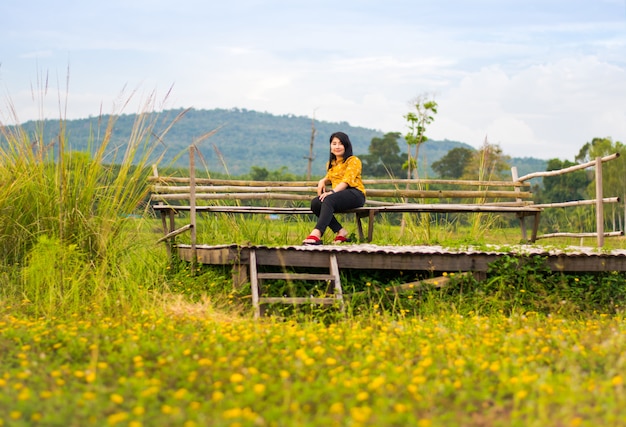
[
  {"x": 452, "y": 165},
  {"x": 564, "y": 188},
  {"x": 488, "y": 163},
  {"x": 425, "y": 108},
  {"x": 613, "y": 172},
  {"x": 384, "y": 158}
]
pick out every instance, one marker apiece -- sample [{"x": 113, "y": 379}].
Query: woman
[{"x": 344, "y": 175}]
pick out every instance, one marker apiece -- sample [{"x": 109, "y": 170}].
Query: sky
[{"x": 540, "y": 78}]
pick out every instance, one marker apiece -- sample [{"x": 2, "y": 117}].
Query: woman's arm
[{"x": 321, "y": 185}]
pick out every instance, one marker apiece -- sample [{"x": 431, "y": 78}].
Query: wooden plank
[
  {"x": 298, "y": 300},
  {"x": 401, "y": 261},
  {"x": 334, "y": 271},
  {"x": 295, "y": 276},
  {"x": 447, "y": 194},
  {"x": 175, "y": 233},
  {"x": 447, "y": 207},
  {"x": 254, "y": 285},
  {"x": 407, "y": 207}
]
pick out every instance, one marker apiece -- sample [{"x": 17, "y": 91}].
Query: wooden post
[
  {"x": 254, "y": 283},
  {"x": 599, "y": 203},
  {"x": 192, "y": 207},
  {"x": 522, "y": 218},
  {"x": 311, "y": 157}
]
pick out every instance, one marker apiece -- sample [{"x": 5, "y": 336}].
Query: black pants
[{"x": 344, "y": 200}]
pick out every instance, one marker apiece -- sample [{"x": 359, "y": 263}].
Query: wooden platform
[{"x": 405, "y": 258}]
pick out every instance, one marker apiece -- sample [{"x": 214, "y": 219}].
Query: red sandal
[
  {"x": 312, "y": 241},
  {"x": 341, "y": 239}
]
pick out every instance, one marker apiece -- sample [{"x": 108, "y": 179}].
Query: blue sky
[{"x": 538, "y": 77}]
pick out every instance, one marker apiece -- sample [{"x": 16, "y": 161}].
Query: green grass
[
  {"x": 291, "y": 230},
  {"x": 98, "y": 327}
]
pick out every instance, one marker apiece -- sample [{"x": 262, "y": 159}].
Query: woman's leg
[{"x": 336, "y": 202}]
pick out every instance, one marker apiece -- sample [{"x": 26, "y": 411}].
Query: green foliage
[
  {"x": 452, "y": 165},
  {"x": 563, "y": 188},
  {"x": 56, "y": 276},
  {"x": 243, "y": 138},
  {"x": 613, "y": 176},
  {"x": 383, "y": 159},
  {"x": 513, "y": 284},
  {"x": 425, "y": 109},
  {"x": 70, "y": 219},
  {"x": 281, "y": 174},
  {"x": 488, "y": 163}
]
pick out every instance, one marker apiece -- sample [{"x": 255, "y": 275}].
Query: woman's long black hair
[{"x": 345, "y": 141}]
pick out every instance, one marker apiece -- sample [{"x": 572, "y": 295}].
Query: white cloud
[
  {"x": 544, "y": 111},
  {"x": 539, "y": 78}
]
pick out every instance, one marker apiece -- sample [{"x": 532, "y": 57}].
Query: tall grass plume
[{"x": 69, "y": 218}]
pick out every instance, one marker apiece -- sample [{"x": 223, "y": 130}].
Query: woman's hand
[
  {"x": 325, "y": 193},
  {"x": 321, "y": 186}
]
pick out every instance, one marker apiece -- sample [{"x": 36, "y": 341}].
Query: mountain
[{"x": 245, "y": 138}]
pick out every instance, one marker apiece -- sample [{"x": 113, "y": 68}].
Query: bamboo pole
[
  {"x": 522, "y": 219},
  {"x": 577, "y": 203},
  {"x": 599, "y": 204},
  {"x": 564, "y": 234},
  {"x": 393, "y": 182},
  {"x": 569, "y": 169},
  {"x": 272, "y": 193},
  {"x": 192, "y": 207}
]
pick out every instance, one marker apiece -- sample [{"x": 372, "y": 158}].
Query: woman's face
[{"x": 337, "y": 148}]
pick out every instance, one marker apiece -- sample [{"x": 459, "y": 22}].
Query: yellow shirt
[{"x": 348, "y": 171}]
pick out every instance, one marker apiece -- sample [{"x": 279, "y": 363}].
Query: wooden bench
[{"x": 203, "y": 195}]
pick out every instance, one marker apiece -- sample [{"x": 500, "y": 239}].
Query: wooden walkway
[{"x": 405, "y": 258}]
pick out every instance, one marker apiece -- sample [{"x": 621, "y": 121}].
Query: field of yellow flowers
[{"x": 190, "y": 369}]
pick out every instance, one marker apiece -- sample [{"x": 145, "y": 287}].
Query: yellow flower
[
  {"x": 336, "y": 408},
  {"x": 89, "y": 395},
  {"x": 576, "y": 421},
  {"x": 259, "y": 388},
  {"x": 400, "y": 408},
  {"x": 236, "y": 378},
  {"x": 617, "y": 380},
  {"x": 361, "y": 414},
  {"x": 180, "y": 394},
  {"x": 117, "y": 418},
  {"x": 24, "y": 394},
  {"x": 116, "y": 398},
  {"x": 361, "y": 396}
]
